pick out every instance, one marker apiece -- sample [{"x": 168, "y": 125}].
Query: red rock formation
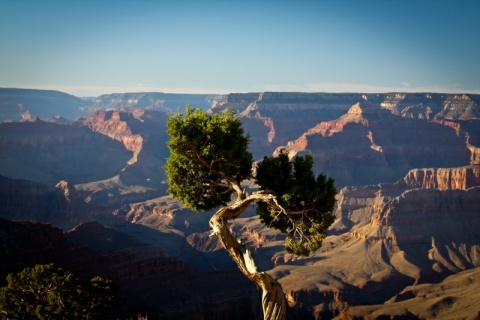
[
  {"x": 143, "y": 132},
  {"x": 443, "y": 178},
  {"x": 115, "y": 125},
  {"x": 389, "y": 236},
  {"x": 368, "y": 146}
]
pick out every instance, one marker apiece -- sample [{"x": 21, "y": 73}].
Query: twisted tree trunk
[{"x": 273, "y": 298}]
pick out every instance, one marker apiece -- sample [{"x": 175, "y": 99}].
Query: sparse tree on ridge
[{"x": 208, "y": 162}]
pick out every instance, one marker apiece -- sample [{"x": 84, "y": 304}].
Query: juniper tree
[
  {"x": 48, "y": 292},
  {"x": 209, "y": 160}
]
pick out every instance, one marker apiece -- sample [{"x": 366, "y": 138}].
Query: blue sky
[{"x": 88, "y": 48}]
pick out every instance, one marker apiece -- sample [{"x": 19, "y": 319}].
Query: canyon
[{"x": 406, "y": 166}]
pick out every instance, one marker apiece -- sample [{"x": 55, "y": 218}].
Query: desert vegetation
[{"x": 209, "y": 161}]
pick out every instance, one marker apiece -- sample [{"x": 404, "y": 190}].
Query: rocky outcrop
[
  {"x": 454, "y": 298},
  {"x": 115, "y": 124},
  {"x": 461, "y": 107},
  {"x": 279, "y": 116},
  {"x": 443, "y": 178},
  {"x": 368, "y": 145},
  {"x": 389, "y": 236}
]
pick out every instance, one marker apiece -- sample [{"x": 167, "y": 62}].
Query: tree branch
[
  {"x": 235, "y": 185},
  {"x": 273, "y": 298}
]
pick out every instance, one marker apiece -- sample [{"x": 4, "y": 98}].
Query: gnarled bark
[{"x": 273, "y": 298}]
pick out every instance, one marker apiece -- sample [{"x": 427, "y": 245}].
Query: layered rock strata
[
  {"x": 368, "y": 145},
  {"x": 420, "y": 229},
  {"x": 144, "y": 133}
]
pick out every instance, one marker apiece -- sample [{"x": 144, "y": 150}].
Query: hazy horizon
[{"x": 91, "y": 48}]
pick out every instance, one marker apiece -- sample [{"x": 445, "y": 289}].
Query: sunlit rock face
[
  {"x": 387, "y": 237},
  {"x": 406, "y": 167},
  {"x": 362, "y": 146},
  {"x": 116, "y": 125},
  {"x": 368, "y": 145},
  {"x": 274, "y": 118},
  {"x": 143, "y": 133}
]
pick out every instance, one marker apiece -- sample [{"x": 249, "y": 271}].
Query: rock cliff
[
  {"x": 389, "y": 236},
  {"x": 143, "y": 132},
  {"x": 273, "y": 118},
  {"x": 61, "y": 152},
  {"x": 368, "y": 145},
  {"x": 454, "y": 298},
  {"x": 115, "y": 124}
]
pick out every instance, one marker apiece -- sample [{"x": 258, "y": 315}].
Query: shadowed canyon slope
[
  {"x": 142, "y": 132},
  {"x": 143, "y": 272},
  {"x": 408, "y": 211},
  {"x": 48, "y": 152}
]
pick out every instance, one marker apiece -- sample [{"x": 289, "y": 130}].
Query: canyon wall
[
  {"x": 368, "y": 145},
  {"x": 389, "y": 236},
  {"x": 406, "y": 166},
  {"x": 48, "y": 152},
  {"x": 279, "y": 116}
]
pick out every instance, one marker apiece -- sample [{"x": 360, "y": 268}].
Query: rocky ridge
[
  {"x": 387, "y": 237},
  {"x": 368, "y": 145},
  {"x": 167, "y": 102},
  {"x": 453, "y": 298},
  {"x": 418, "y": 227},
  {"x": 27, "y": 104},
  {"x": 277, "y": 116}
]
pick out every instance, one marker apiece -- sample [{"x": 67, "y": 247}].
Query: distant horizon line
[{"x": 225, "y": 93}]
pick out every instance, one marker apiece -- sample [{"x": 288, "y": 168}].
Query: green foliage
[
  {"x": 209, "y": 160},
  {"x": 208, "y": 155},
  {"x": 309, "y": 201},
  {"x": 47, "y": 292}
]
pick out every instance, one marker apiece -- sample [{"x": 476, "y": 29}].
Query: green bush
[{"x": 48, "y": 292}]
